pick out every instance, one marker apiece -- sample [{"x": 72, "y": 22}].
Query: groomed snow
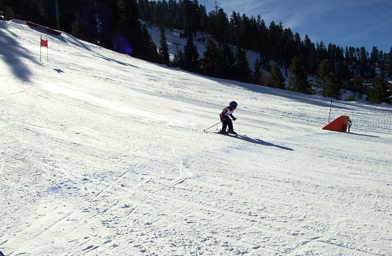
[{"x": 105, "y": 154}]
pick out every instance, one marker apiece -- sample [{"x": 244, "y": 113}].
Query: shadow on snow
[
  {"x": 260, "y": 142},
  {"x": 13, "y": 54}
]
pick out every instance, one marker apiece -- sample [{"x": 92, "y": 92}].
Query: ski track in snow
[{"x": 102, "y": 154}]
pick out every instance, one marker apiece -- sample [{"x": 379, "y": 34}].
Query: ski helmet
[{"x": 233, "y": 104}]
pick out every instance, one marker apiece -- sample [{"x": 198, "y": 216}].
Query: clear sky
[{"x": 354, "y": 23}]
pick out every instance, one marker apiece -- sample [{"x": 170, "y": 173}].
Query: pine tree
[
  {"x": 106, "y": 15},
  {"x": 210, "y": 58},
  {"x": 225, "y": 62},
  {"x": 191, "y": 56},
  {"x": 69, "y": 15},
  {"x": 85, "y": 24},
  {"x": 276, "y": 37},
  {"x": 374, "y": 56},
  {"x": 242, "y": 71},
  {"x": 277, "y": 77},
  {"x": 379, "y": 92},
  {"x": 76, "y": 29},
  {"x": 325, "y": 79},
  {"x": 128, "y": 26},
  {"x": 149, "y": 51},
  {"x": 310, "y": 53},
  {"x": 382, "y": 63},
  {"x": 298, "y": 79},
  {"x": 257, "y": 72},
  {"x": 356, "y": 85},
  {"x": 365, "y": 69},
  {"x": 164, "y": 49},
  {"x": 178, "y": 60},
  {"x": 219, "y": 25},
  {"x": 9, "y": 13}
]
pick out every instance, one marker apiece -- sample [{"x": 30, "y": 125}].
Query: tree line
[
  {"x": 285, "y": 59},
  {"x": 113, "y": 24}
]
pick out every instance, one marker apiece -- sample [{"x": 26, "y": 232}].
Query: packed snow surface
[{"x": 105, "y": 154}]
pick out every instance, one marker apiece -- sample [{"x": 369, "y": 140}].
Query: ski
[{"x": 227, "y": 134}]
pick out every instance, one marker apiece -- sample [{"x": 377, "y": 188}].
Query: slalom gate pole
[
  {"x": 40, "y": 46},
  {"x": 211, "y": 126},
  {"x": 330, "y": 109}
]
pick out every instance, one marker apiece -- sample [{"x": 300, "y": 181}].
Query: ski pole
[{"x": 211, "y": 126}]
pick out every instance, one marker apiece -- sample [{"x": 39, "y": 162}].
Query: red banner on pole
[{"x": 44, "y": 43}]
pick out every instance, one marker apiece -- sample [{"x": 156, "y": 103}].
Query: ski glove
[{"x": 234, "y": 118}]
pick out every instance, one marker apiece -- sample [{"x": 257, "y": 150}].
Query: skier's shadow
[{"x": 261, "y": 142}]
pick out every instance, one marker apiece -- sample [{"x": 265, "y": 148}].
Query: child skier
[{"x": 225, "y": 115}]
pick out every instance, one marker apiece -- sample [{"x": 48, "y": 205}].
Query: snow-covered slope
[{"x": 104, "y": 154}]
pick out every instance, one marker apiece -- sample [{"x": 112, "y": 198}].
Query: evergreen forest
[{"x": 286, "y": 59}]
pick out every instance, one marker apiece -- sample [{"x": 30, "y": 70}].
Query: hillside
[{"x": 105, "y": 154}]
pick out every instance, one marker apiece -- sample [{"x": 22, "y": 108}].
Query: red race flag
[{"x": 44, "y": 43}]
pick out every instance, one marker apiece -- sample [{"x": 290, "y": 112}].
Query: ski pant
[{"x": 227, "y": 122}]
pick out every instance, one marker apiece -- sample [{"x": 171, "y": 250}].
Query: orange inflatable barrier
[{"x": 340, "y": 124}]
